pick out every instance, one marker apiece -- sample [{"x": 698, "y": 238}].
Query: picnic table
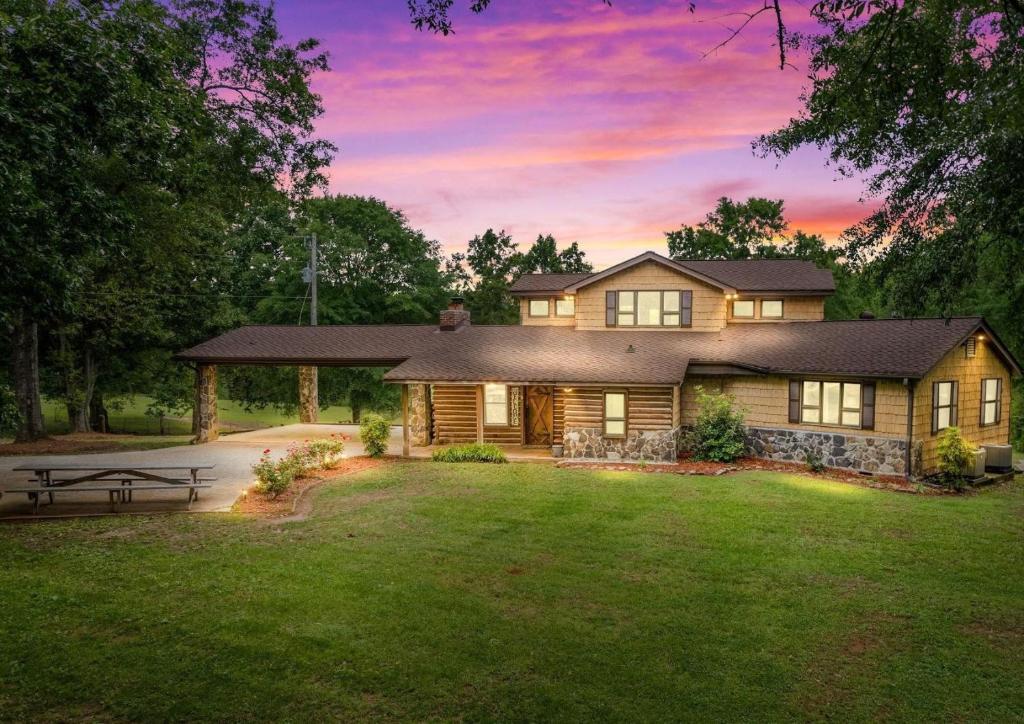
[{"x": 118, "y": 481}]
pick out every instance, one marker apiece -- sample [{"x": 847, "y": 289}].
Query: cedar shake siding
[
  {"x": 794, "y": 309},
  {"x": 766, "y": 402},
  {"x": 967, "y": 372},
  {"x": 551, "y": 320}
]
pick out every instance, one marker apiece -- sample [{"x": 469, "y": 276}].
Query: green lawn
[
  {"x": 429, "y": 591},
  {"x": 132, "y": 417}
]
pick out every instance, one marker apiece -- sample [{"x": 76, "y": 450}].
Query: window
[
  {"x": 540, "y": 307},
  {"x": 991, "y": 400},
  {"x": 743, "y": 309},
  {"x": 831, "y": 403},
  {"x": 615, "y": 414},
  {"x": 771, "y": 309},
  {"x": 496, "y": 404},
  {"x": 649, "y": 308},
  {"x": 565, "y": 307},
  {"x": 944, "y": 404}
]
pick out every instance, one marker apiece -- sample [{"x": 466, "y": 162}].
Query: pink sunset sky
[{"x": 603, "y": 125}]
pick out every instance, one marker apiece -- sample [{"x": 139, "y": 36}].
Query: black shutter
[
  {"x": 610, "y": 300},
  {"x": 981, "y": 407},
  {"x": 686, "y": 309},
  {"x": 794, "y": 401},
  {"x": 935, "y": 407},
  {"x": 999, "y": 399},
  {"x": 955, "y": 398},
  {"x": 867, "y": 406}
]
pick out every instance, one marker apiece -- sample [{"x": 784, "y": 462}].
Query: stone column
[
  {"x": 419, "y": 415},
  {"x": 205, "y": 413},
  {"x": 309, "y": 397}
]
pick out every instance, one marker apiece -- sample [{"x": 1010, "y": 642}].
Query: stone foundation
[
  {"x": 419, "y": 416},
  {"x": 866, "y": 453},
  {"x": 588, "y": 443}
]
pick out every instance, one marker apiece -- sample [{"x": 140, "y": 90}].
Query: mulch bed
[
  {"x": 284, "y": 505},
  {"x": 686, "y": 466}
]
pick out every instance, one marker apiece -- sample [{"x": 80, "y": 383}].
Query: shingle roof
[
  {"x": 776, "y": 275},
  {"x": 866, "y": 348},
  {"x": 385, "y": 344},
  {"x": 743, "y": 275},
  {"x": 539, "y": 283}
]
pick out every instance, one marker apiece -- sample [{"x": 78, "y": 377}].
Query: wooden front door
[{"x": 540, "y": 410}]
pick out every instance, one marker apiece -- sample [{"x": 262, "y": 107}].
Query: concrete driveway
[{"x": 232, "y": 456}]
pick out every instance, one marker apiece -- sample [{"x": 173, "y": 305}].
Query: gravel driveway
[{"x": 233, "y": 455}]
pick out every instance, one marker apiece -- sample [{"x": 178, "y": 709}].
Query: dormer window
[
  {"x": 540, "y": 308},
  {"x": 771, "y": 309},
  {"x": 643, "y": 308},
  {"x": 743, "y": 308}
]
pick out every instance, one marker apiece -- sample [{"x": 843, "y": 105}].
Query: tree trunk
[
  {"x": 357, "y": 410},
  {"x": 99, "y": 419},
  {"x": 25, "y": 374},
  {"x": 84, "y": 422}
]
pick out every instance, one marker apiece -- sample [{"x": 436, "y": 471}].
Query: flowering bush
[
  {"x": 275, "y": 477},
  {"x": 272, "y": 478}
]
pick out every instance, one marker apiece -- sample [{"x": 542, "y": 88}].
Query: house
[{"x": 607, "y": 365}]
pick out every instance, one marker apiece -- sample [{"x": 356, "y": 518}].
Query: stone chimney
[{"x": 455, "y": 316}]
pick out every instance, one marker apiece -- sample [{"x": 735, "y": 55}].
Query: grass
[
  {"x": 132, "y": 417},
  {"x": 434, "y": 591}
]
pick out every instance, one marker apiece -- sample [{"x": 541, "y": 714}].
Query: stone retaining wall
[
  {"x": 866, "y": 453},
  {"x": 588, "y": 443}
]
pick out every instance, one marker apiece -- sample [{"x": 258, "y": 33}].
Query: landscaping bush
[
  {"x": 718, "y": 435},
  {"x": 814, "y": 461},
  {"x": 954, "y": 455},
  {"x": 375, "y": 432},
  {"x": 325, "y": 454},
  {"x": 272, "y": 478},
  {"x": 473, "y": 453}
]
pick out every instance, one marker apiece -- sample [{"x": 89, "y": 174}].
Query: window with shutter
[
  {"x": 991, "y": 400},
  {"x": 831, "y": 403}
]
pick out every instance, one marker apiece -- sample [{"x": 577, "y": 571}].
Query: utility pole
[
  {"x": 312, "y": 269},
  {"x": 309, "y": 393}
]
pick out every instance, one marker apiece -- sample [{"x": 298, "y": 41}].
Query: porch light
[{"x": 981, "y": 338}]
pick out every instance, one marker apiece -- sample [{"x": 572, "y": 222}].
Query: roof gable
[{"x": 649, "y": 256}]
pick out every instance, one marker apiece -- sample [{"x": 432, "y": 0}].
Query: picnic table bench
[{"x": 118, "y": 481}]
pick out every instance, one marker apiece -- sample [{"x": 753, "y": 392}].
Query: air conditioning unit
[
  {"x": 998, "y": 458},
  {"x": 975, "y": 467}
]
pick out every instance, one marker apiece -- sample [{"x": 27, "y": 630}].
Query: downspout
[{"x": 910, "y": 427}]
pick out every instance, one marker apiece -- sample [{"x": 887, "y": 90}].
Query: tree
[
  {"x": 494, "y": 260},
  {"x": 732, "y": 231},
  {"x": 544, "y": 257},
  {"x": 757, "y": 229},
  {"x": 134, "y": 135},
  {"x": 924, "y": 99}
]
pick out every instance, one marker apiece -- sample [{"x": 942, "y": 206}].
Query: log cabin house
[{"x": 607, "y": 366}]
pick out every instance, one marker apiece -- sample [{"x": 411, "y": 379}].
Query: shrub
[
  {"x": 814, "y": 461},
  {"x": 272, "y": 478},
  {"x": 473, "y": 453},
  {"x": 954, "y": 455},
  {"x": 718, "y": 434},
  {"x": 375, "y": 432},
  {"x": 326, "y": 453}
]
